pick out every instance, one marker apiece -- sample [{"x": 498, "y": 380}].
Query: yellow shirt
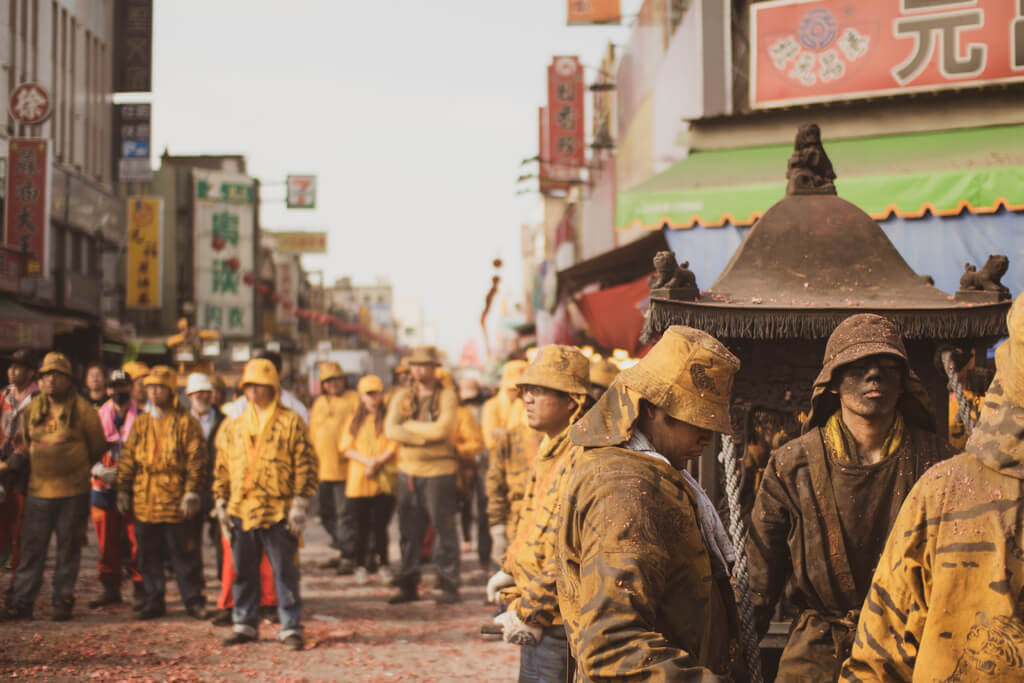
[
  {"x": 426, "y": 447},
  {"x": 63, "y": 441},
  {"x": 369, "y": 444},
  {"x": 328, "y": 416}
]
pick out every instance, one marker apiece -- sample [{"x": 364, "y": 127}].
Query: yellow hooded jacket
[
  {"x": 163, "y": 459},
  {"x": 945, "y": 602},
  {"x": 260, "y": 480},
  {"x": 508, "y": 475},
  {"x": 328, "y": 416}
]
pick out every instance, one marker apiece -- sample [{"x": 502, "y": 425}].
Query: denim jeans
[
  {"x": 159, "y": 543},
  {"x": 43, "y": 517},
  {"x": 423, "y": 500},
  {"x": 247, "y": 548},
  {"x": 332, "y": 515},
  {"x": 549, "y": 660}
]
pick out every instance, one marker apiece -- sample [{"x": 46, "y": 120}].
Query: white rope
[
  {"x": 963, "y": 406},
  {"x": 740, "y": 572}
]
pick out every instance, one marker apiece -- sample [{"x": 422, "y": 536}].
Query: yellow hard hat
[
  {"x": 161, "y": 375},
  {"x": 261, "y": 371},
  {"x": 370, "y": 383},
  {"x": 135, "y": 369},
  {"x": 330, "y": 370}
]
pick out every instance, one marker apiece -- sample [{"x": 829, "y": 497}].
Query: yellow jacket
[
  {"x": 163, "y": 459},
  {"x": 260, "y": 480},
  {"x": 498, "y": 413},
  {"x": 425, "y": 439},
  {"x": 63, "y": 443},
  {"x": 370, "y": 444},
  {"x": 328, "y": 416},
  {"x": 508, "y": 475},
  {"x": 945, "y": 602},
  {"x": 532, "y": 557}
]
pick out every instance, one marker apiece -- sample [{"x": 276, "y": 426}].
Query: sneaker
[
  {"x": 61, "y": 611},
  {"x": 197, "y": 610},
  {"x": 293, "y": 642},
  {"x": 404, "y": 595},
  {"x": 222, "y": 617},
  {"x": 237, "y": 638},
  {"x": 384, "y": 574},
  {"x": 362, "y": 576}
]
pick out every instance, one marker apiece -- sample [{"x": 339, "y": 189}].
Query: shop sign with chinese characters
[
  {"x": 299, "y": 242},
  {"x": 27, "y": 209},
  {"x": 823, "y": 50},
  {"x": 30, "y": 104},
  {"x": 224, "y": 242},
  {"x": 144, "y": 283},
  {"x": 585, "y": 12},
  {"x": 287, "y": 290},
  {"x": 562, "y": 153}
]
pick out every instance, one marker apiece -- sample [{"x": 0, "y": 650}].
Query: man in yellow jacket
[
  {"x": 331, "y": 410},
  {"x": 644, "y": 560},
  {"x": 63, "y": 438},
  {"x": 945, "y": 600},
  {"x": 266, "y": 473},
  {"x": 422, "y": 419},
  {"x": 554, "y": 389},
  {"x": 159, "y": 480}
]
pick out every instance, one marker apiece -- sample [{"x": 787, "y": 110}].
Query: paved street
[{"x": 351, "y": 635}]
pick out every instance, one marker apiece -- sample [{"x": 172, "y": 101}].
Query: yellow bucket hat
[
  {"x": 562, "y": 368},
  {"x": 1010, "y": 355},
  {"x": 330, "y": 370},
  {"x": 603, "y": 372},
  {"x": 424, "y": 355},
  {"x": 161, "y": 375},
  {"x": 55, "y": 362},
  {"x": 511, "y": 372},
  {"x": 135, "y": 369},
  {"x": 261, "y": 371},
  {"x": 370, "y": 383},
  {"x": 689, "y": 374}
]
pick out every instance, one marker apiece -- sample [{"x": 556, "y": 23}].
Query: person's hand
[
  {"x": 190, "y": 505},
  {"x": 124, "y": 502},
  {"x": 220, "y": 511},
  {"x": 297, "y": 516},
  {"x": 499, "y": 580},
  {"x": 514, "y": 631}
]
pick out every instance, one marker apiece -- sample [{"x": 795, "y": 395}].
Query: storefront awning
[
  {"x": 613, "y": 267},
  {"x": 979, "y": 170},
  {"x": 23, "y": 328}
]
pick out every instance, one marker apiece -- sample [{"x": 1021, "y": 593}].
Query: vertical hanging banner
[
  {"x": 287, "y": 289},
  {"x": 564, "y": 130},
  {"x": 224, "y": 248},
  {"x": 586, "y": 12},
  {"x": 27, "y": 209},
  {"x": 144, "y": 276}
]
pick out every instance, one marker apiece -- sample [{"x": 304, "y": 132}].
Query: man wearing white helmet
[{"x": 199, "y": 390}]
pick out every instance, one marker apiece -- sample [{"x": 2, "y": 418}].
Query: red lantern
[
  {"x": 287, "y": 305},
  {"x": 248, "y": 279},
  {"x": 323, "y": 318},
  {"x": 233, "y": 263},
  {"x": 263, "y": 289},
  {"x": 498, "y": 263},
  {"x": 275, "y": 297}
]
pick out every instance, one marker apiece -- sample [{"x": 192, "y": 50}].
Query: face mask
[{"x": 122, "y": 397}]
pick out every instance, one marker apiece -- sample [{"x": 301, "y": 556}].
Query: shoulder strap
[{"x": 825, "y": 494}]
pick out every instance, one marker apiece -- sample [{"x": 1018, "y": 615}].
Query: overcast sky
[{"x": 414, "y": 115}]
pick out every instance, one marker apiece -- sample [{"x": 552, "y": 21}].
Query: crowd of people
[{"x": 607, "y": 559}]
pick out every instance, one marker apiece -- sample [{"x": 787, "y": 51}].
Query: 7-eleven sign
[{"x": 301, "y": 192}]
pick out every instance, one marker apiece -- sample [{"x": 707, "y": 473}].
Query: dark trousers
[
  {"x": 174, "y": 543},
  {"x": 483, "y": 529},
  {"x": 67, "y": 517},
  {"x": 247, "y": 548},
  {"x": 423, "y": 501},
  {"x": 370, "y": 517},
  {"x": 334, "y": 519},
  {"x": 549, "y": 660}
]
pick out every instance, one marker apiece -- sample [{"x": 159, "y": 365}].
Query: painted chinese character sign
[
  {"x": 27, "y": 209},
  {"x": 144, "y": 277},
  {"x": 820, "y": 50},
  {"x": 561, "y": 127},
  {"x": 224, "y": 250}
]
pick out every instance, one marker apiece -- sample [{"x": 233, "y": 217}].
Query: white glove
[
  {"x": 108, "y": 475},
  {"x": 190, "y": 505},
  {"x": 124, "y": 502},
  {"x": 514, "y": 631},
  {"x": 297, "y": 516},
  {"x": 499, "y": 543},
  {"x": 220, "y": 509},
  {"x": 496, "y": 583}
]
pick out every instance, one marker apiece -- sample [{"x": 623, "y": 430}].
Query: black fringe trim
[{"x": 747, "y": 323}]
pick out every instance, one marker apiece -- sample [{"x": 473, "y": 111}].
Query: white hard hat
[{"x": 197, "y": 381}]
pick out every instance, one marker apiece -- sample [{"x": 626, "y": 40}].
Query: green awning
[{"x": 978, "y": 170}]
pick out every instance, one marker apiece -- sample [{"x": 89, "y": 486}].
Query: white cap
[{"x": 197, "y": 381}]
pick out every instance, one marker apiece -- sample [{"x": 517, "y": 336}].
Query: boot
[
  {"x": 111, "y": 595},
  {"x": 346, "y": 566},
  {"x": 62, "y": 610},
  {"x": 138, "y": 596},
  {"x": 449, "y": 593}
]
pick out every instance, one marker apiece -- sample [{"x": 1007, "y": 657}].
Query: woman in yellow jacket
[{"x": 370, "y": 481}]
